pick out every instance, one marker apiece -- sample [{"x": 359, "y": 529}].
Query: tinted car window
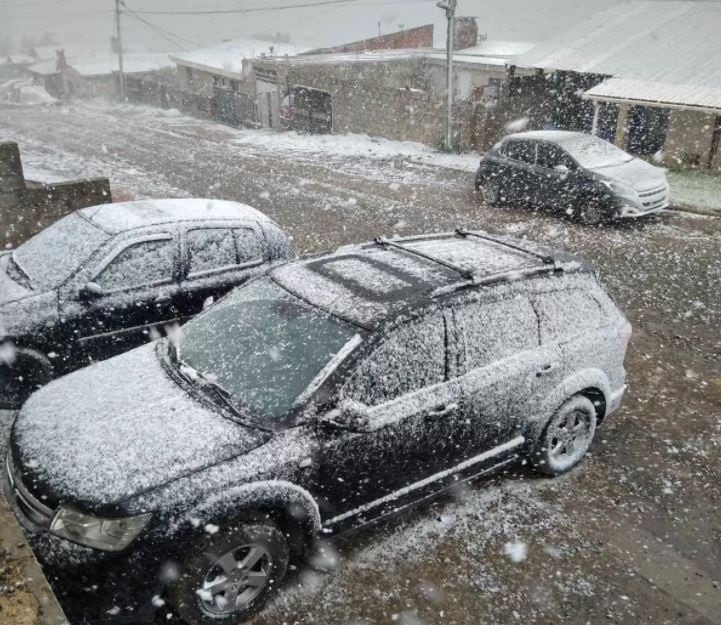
[
  {"x": 492, "y": 332},
  {"x": 551, "y": 156},
  {"x": 412, "y": 358},
  {"x": 567, "y": 313},
  {"x": 148, "y": 262},
  {"x": 210, "y": 249},
  {"x": 249, "y": 247},
  {"x": 523, "y": 151}
]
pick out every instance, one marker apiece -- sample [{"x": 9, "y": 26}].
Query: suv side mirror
[
  {"x": 562, "y": 169},
  {"x": 91, "y": 290},
  {"x": 349, "y": 415}
]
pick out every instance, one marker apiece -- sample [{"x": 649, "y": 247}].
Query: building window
[{"x": 234, "y": 85}]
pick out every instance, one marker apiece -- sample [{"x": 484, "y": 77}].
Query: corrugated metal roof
[
  {"x": 657, "y": 93},
  {"x": 678, "y": 43}
]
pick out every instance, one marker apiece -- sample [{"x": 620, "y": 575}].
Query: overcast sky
[{"x": 90, "y": 22}]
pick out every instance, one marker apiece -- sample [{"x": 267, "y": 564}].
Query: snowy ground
[
  {"x": 633, "y": 536},
  {"x": 696, "y": 190}
]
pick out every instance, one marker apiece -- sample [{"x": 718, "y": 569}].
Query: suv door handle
[{"x": 547, "y": 369}]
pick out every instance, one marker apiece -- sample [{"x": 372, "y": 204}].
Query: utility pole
[
  {"x": 119, "y": 48},
  {"x": 450, "y": 8}
]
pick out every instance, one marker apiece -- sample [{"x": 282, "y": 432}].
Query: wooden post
[{"x": 624, "y": 114}]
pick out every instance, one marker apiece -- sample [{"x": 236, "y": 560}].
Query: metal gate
[{"x": 233, "y": 108}]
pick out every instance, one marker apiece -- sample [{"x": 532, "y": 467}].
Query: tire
[
  {"x": 591, "y": 213},
  {"x": 202, "y": 593},
  {"x": 566, "y": 437},
  {"x": 488, "y": 192}
]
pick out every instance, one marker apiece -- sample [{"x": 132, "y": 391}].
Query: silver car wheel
[
  {"x": 235, "y": 579},
  {"x": 569, "y": 437}
]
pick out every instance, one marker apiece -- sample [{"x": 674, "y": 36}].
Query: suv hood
[
  {"x": 116, "y": 429},
  {"x": 637, "y": 174}
]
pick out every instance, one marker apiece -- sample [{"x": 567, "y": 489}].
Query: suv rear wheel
[
  {"x": 229, "y": 575},
  {"x": 591, "y": 213},
  {"x": 566, "y": 438}
]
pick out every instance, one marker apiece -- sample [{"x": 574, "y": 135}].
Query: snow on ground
[{"x": 696, "y": 190}]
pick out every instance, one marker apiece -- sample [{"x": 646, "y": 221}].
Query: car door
[
  {"x": 216, "y": 259},
  {"x": 558, "y": 183},
  {"x": 403, "y": 382},
  {"x": 115, "y": 304},
  {"x": 501, "y": 368},
  {"x": 520, "y": 180}
]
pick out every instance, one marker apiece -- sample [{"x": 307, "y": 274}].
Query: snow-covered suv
[{"x": 324, "y": 395}]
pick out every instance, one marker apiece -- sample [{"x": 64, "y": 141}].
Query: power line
[
  {"x": 165, "y": 34},
  {"x": 248, "y": 9}
]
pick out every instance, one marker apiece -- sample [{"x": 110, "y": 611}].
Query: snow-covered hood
[
  {"x": 119, "y": 428},
  {"x": 637, "y": 174}
]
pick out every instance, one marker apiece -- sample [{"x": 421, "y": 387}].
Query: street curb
[
  {"x": 696, "y": 210},
  {"x": 14, "y": 544}
]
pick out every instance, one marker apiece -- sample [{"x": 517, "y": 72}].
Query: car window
[
  {"x": 412, "y": 358},
  {"x": 567, "y": 313},
  {"x": 550, "y": 156},
  {"x": 524, "y": 151},
  {"x": 491, "y": 332},
  {"x": 146, "y": 262},
  {"x": 210, "y": 248},
  {"x": 249, "y": 247}
]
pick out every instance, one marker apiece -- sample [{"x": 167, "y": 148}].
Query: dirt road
[{"x": 631, "y": 537}]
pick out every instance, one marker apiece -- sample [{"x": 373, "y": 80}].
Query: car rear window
[
  {"x": 492, "y": 332},
  {"x": 565, "y": 314}
]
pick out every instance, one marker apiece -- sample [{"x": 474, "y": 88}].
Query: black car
[
  {"x": 325, "y": 395},
  {"x": 577, "y": 173},
  {"x": 107, "y": 278}
]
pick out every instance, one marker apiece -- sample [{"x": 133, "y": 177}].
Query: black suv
[
  {"x": 106, "y": 278},
  {"x": 327, "y": 394},
  {"x": 583, "y": 175}
]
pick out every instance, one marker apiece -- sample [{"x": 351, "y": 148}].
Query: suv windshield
[
  {"x": 54, "y": 253},
  {"x": 263, "y": 346},
  {"x": 594, "y": 153}
]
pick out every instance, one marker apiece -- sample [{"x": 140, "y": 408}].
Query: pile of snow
[{"x": 23, "y": 92}]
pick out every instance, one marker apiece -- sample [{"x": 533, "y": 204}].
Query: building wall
[
  {"x": 421, "y": 37},
  {"x": 688, "y": 142}
]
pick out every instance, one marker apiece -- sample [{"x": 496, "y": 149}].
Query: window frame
[
  {"x": 189, "y": 275},
  {"x": 126, "y": 245}
]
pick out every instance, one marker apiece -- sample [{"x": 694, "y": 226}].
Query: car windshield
[
  {"x": 594, "y": 153},
  {"x": 54, "y": 253},
  {"x": 264, "y": 347}
]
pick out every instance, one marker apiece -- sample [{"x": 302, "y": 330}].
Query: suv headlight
[
  {"x": 91, "y": 531},
  {"x": 621, "y": 189}
]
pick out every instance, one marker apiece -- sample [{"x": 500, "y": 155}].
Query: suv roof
[
  {"x": 115, "y": 218},
  {"x": 370, "y": 283}
]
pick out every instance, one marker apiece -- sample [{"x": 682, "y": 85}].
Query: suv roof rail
[
  {"x": 496, "y": 278},
  {"x": 469, "y": 275},
  {"x": 547, "y": 260}
]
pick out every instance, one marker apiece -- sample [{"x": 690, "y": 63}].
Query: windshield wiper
[{"x": 204, "y": 381}]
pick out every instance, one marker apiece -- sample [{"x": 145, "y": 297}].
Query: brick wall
[{"x": 421, "y": 37}]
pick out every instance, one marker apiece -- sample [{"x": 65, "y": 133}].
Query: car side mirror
[
  {"x": 349, "y": 415},
  {"x": 91, "y": 290},
  {"x": 562, "y": 169}
]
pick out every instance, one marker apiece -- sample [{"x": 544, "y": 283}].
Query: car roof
[
  {"x": 116, "y": 218},
  {"x": 552, "y": 136},
  {"x": 372, "y": 283}
]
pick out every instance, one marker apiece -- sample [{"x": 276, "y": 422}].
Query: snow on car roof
[
  {"x": 554, "y": 136},
  {"x": 370, "y": 283},
  {"x": 128, "y": 215}
]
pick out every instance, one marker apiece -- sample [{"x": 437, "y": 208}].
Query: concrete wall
[
  {"x": 28, "y": 207},
  {"x": 688, "y": 143}
]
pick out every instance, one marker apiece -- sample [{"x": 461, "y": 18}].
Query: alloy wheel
[
  {"x": 569, "y": 438},
  {"x": 235, "y": 579}
]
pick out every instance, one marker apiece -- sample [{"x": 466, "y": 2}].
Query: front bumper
[
  {"x": 614, "y": 401},
  {"x": 648, "y": 202},
  {"x": 92, "y": 586}
]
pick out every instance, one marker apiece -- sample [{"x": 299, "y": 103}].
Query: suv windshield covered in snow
[
  {"x": 54, "y": 253},
  {"x": 594, "y": 153},
  {"x": 263, "y": 346}
]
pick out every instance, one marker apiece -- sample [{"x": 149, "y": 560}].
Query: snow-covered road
[{"x": 631, "y": 536}]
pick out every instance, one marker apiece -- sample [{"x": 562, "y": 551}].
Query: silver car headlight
[{"x": 92, "y": 531}]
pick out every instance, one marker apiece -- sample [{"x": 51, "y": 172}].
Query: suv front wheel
[
  {"x": 230, "y": 574},
  {"x": 566, "y": 438}
]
